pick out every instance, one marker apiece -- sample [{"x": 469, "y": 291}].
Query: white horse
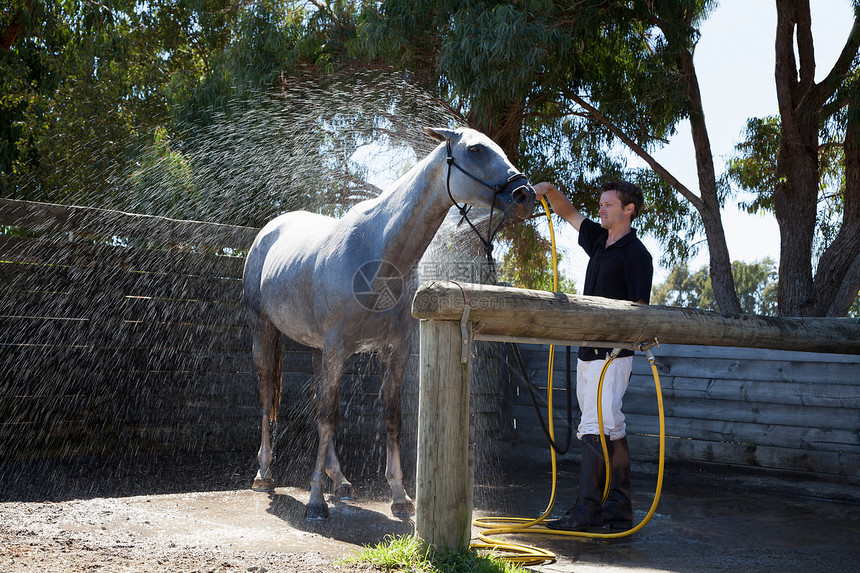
[{"x": 343, "y": 286}]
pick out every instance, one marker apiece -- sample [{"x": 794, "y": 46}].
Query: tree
[
  {"x": 756, "y": 283},
  {"x": 804, "y": 166},
  {"x": 82, "y": 89},
  {"x": 516, "y": 70},
  {"x": 575, "y": 77},
  {"x": 805, "y": 108}
]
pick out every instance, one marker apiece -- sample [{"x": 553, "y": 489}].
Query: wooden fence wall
[
  {"x": 119, "y": 333},
  {"x": 796, "y": 411},
  {"x": 123, "y": 334}
]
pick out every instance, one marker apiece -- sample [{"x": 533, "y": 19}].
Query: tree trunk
[
  {"x": 837, "y": 280},
  {"x": 721, "y": 264},
  {"x": 13, "y": 30},
  {"x": 506, "y": 130},
  {"x": 801, "y": 103},
  {"x": 795, "y": 197},
  {"x": 540, "y": 317}
]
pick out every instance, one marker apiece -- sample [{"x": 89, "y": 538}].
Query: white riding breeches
[{"x": 614, "y": 386}]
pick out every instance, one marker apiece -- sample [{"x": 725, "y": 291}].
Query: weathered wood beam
[{"x": 534, "y": 315}]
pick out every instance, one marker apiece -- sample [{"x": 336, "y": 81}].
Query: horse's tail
[{"x": 268, "y": 357}]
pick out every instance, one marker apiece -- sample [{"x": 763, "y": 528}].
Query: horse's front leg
[
  {"x": 326, "y": 391},
  {"x": 341, "y": 487},
  {"x": 393, "y": 371}
]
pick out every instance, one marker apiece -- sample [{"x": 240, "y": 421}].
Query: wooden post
[{"x": 444, "y": 476}]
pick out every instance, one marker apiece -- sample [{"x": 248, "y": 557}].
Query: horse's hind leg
[
  {"x": 268, "y": 354},
  {"x": 326, "y": 386},
  {"x": 341, "y": 487},
  {"x": 393, "y": 371}
]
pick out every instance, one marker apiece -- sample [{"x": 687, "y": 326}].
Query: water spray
[{"x": 529, "y": 555}]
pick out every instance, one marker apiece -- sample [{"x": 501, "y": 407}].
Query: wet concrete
[
  {"x": 724, "y": 521},
  {"x": 705, "y": 521}
]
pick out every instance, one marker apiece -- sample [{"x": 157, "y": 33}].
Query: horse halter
[{"x": 511, "y": 185}]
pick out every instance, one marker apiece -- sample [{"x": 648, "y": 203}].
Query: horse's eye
[{"x": 474, "y": 148}]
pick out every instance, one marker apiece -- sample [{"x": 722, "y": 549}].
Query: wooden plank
[
  {"x": 534, "y": 354},
  {"x": 127, "y": 308},
  {"x": 121, "y": 335},
  {"x": 739, "y": 411},
  {"x": 811, "y": 437},
  {"x": 24, "y": 361},
  {"x": 99, "y": 409},
  {"x": 755, "y": 354},
  {"x": 35, "y": 278},
  {"x": 844, "y": 465},
  {"x": 40, "y": 304},
  {"x": 821, "y": 438},
  {"x": 70, "y": 440},
  {"x": 99, "y": 293},
  {"x": 531, "y": 314},
  {"x": 62, "y": 251},
  {"x": 50, "y": 217},
  {"x": 732, "y": 369},
  {"x": 833, "y": 395}
]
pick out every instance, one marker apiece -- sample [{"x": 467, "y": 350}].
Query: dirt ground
[
  {"x": 223, "y": 531},
  {"x": 104, "y": 515}
]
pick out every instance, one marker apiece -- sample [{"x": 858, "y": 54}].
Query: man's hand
[{"x": 560, "y": 204}]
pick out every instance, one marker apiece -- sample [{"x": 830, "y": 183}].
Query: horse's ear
[{"x": 440, "y": 134}]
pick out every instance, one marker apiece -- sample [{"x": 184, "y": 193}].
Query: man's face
[{"x": 611, "y": 213}]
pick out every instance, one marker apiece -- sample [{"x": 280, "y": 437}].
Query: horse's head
[{"x": 480, "y": 174}]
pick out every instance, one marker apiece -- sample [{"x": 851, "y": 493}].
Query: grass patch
[{"x": 406, "y": 554}]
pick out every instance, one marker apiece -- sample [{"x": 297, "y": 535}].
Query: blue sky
[{"x": 735, "y": 64}]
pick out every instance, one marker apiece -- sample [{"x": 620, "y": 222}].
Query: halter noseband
[{"x": 511, "y": 184}]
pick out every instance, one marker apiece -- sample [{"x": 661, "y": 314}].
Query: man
[{"x": 619, "y": 267}]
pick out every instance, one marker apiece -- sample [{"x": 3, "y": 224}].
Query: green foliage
[
  {"x": 161, "y": 167},
  {"x": 532, "y": 265},
  {"x": 754, "y": 169},
  {"x": 756, "y": 284},
  {"x": 754, "y": 166},
  {"x": 407, "y": 554},
  {"x": 855, "y": 308},
  {"x": 83, "y": 87}
]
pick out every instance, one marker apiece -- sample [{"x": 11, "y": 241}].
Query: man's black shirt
[{"x": 621, "y": 271}]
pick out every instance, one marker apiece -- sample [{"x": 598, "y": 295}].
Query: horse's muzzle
[{"x": 517, "y": 197}]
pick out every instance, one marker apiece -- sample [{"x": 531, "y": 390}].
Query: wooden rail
[
  {"x": 538, "y": 316},
  {"x": 453, "y": 314}
]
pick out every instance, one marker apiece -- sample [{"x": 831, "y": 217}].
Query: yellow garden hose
[{"x": 529, "y": 554}]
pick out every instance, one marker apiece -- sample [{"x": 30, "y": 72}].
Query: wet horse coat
[{"x": 343, "y": 286}]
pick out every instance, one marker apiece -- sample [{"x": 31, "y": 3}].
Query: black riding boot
[
  {"x": 587, "y": 512},
  {"x": 618, "y": 509}
]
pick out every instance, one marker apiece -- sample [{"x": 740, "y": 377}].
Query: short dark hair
[{"x": 627, "y": 193}]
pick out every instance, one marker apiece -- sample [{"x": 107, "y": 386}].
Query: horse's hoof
[
  {"x": 264, "y": 484},
  {"x": 316, "y": 512},
  {"x": 344, "y": 491},
  {"x": 403, "y": 509}
]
